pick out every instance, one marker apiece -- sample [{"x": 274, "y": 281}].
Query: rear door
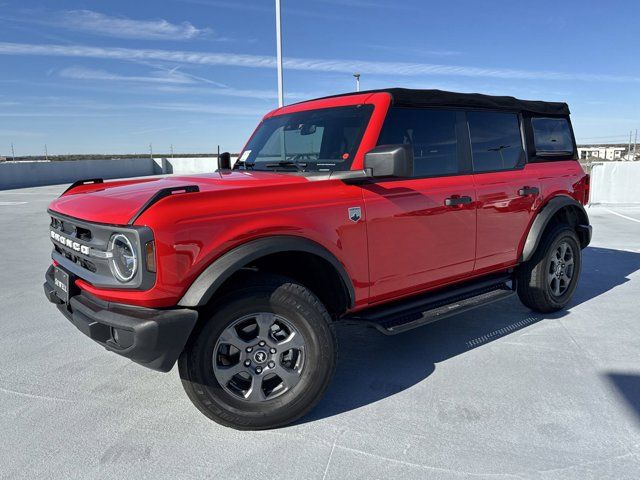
[
  {"x": 507, "y": 191},
  {"x": 416, "y": 240}
]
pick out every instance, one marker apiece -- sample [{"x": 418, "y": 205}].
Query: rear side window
[
  {"x": 552, "y": 136},
  {"x": 496, "y": 141},
  {"x": 431, "y": 133}
]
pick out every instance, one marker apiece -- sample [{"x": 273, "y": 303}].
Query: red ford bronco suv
[{"x": 392, "y": 208}]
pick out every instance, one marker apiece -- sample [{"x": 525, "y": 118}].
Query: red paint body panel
[
  {"x": 503, "y": 215},
  {"x": 406, "y": 242},
  {"x": 415, "y": 241}
]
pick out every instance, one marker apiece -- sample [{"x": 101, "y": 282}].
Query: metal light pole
[
  {"x": 279, "y": 55},
  {"x": 13, "y": 153},
  {"x": 357, "y": 76}
]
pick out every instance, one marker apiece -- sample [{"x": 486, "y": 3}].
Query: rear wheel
[
  {"x": 546, "y": 282},
  {"x": 264, "y": 357}
]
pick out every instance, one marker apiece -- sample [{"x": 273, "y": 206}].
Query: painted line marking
[
  {"x": 6, "y": 204},
  {"x": 623, "y": 216}
]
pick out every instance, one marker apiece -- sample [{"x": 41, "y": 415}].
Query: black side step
[{"x": 409, "y": 314}]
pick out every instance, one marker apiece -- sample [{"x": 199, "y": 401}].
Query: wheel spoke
[
  {"x": 293, "y": 341},
  {"x": 230, "y": 337},
  {"x": 225, "y": 374},
  {"x": 569, "y": 271},
  {"x": 289, "y": 377},
  {"x": 264, "y": 321},
  {"x": 255, "y": 393}
]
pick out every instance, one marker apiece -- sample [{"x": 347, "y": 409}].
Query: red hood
[{"x": 116, "y": 202}]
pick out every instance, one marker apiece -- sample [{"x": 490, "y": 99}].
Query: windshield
[{"x": 314, "y": 140}]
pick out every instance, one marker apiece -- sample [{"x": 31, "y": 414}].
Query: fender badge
[{"x": 355, "y": 214}]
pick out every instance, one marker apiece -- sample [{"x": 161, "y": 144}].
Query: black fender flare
[
  {"x": 221, "y": 269},
  {"x": 545, "y": 215}
]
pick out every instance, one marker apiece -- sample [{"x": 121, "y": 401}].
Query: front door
[{"x": 422, "y": 230}]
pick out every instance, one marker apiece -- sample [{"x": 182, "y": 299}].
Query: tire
[
  {"x": 282, "y": 314},
  {"x": 536, "y": 287}
]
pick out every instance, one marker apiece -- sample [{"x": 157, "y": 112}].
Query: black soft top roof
[{"x": 406, "y": 97}]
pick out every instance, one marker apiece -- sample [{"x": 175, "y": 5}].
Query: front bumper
[{"x": 151, "y": 337}]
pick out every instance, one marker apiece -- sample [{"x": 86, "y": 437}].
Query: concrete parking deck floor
[{"x": 500, "y": 392}]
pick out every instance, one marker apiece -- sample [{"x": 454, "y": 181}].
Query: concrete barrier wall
[
  {"x": 33, "y": 174},
  {"x": 186, "y": 165},
  {"x": 615, "y": 182}
]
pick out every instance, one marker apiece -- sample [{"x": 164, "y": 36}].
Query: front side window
[
  {"x": 496, "y": 142},
  {"x": 432, "y": 135},
  {"x": 313, "y": 140},
  {"x": 552, "y": 136}
]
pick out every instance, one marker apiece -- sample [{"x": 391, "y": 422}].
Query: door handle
[
  {"x": 455, "y": 201},
  {"x": 524, "y": 191}
]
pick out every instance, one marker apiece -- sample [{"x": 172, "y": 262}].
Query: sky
[{"x": 116, "y": 76}]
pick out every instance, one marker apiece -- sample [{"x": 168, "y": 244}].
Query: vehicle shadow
[
  {"x": 373, "y": 366},
  {"x": 628, "y": 386}
]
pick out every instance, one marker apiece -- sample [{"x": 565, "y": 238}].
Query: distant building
[
  {"x": 3, "y": 159},
  {"x": 603, "y": 153}
]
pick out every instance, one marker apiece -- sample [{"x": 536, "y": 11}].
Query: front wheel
[
  {"x": 547, "y": 281},
  {"x": 264, "y": 357}
]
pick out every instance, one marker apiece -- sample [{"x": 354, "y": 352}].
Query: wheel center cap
[
  {"x": 260, "y": 356},
  {"x": 559, "y": 269}
]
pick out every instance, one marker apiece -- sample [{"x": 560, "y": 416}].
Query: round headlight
[{"x": 124, "y": 261}]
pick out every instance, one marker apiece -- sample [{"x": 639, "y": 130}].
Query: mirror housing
[
  {"x": 308, "y": 129},
  {"x": 224, "y": 161},
  {"x": 390, "y": 161}
]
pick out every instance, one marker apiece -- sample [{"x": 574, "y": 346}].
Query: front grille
[
  {"x": 77, "y": 234},
  {"x": 83, "y": 262},
  {"x": 83, "y": 234}
]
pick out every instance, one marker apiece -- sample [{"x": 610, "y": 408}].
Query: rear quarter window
[
  {"x": 496, "y": 141},
  {"x": 552, "y": 136}
]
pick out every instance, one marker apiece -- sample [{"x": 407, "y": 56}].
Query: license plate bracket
[{"x": 61, "y": 283}]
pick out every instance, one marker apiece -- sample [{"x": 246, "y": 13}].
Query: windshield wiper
[{"x": 287, "y": 163}]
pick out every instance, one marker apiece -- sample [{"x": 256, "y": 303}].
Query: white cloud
[
  {"x": 175, "y": 81},
  {"x": 162, "y": 77},
  {"x": 416, "y": 51},
  {"x": 303, "y": 64},
  {"x": 71, "y": 107},
  {"x": 235, "y": 92},
  {"x": 122, "y": 27},
  {"x": 204, "y": 108},
  {"x": 20, "y": 133}
]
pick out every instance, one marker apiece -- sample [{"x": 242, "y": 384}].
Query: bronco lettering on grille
[{"x": 69, "y": 243}]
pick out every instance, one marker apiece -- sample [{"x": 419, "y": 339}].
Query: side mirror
[
  {"x": 224, "y": 161},
  {"x": 390, "y": 161}
]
